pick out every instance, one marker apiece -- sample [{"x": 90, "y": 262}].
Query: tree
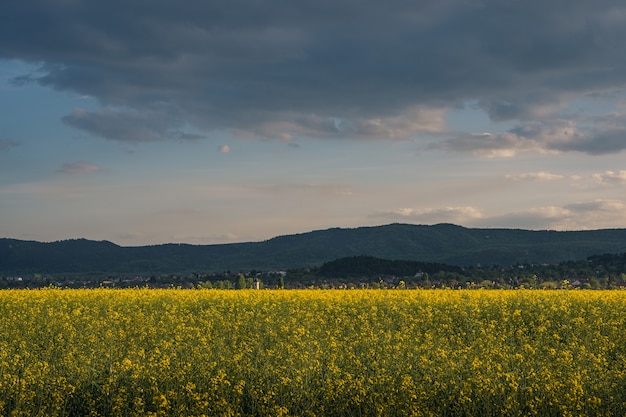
[
  {"x": 224, "y": 284},
  {"x": 241, "y": 282}
]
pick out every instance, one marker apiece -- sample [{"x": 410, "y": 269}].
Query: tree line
[{"x": 595, "y": 272}]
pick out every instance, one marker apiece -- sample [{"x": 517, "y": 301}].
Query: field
[{"x": 312, "y": 353}]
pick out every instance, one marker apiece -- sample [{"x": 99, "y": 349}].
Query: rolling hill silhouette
[{"x": 444, "y": 243}]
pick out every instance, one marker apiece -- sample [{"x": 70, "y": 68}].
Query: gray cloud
[
  {"x": 597, "y": 206},
  {"x": 595, "y": 214},
  {"x": 597, "y": 143},
  {"x": 121, "y": 125},
  {"x": 536, "y": 218},
  {"x": 291, "y": 125},
  {"x": 594, "y": 136},
  {"x": 130, "y": 125},
  {"x": 286, "y": 69},
  {"x": 6, "y": 144},
  {"x": 79, "y": 167}
]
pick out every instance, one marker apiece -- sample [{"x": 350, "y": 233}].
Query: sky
[{"x": 205, "y": 122}]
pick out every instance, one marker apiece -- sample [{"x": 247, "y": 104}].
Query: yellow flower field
[{"x": 148, "y": 352}]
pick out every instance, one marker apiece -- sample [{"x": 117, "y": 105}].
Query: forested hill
[
  {"x": 442, "y": 243},
  {"x": 368, "y": 266}
]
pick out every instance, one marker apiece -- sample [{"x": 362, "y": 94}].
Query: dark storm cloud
[{"x": 284, "y": 68}]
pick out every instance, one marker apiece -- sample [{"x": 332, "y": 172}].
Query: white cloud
[
  {"x": 610, "y": 177},
  {"x": 534, "y": 176},
  {"x": 457, "y": 215}
]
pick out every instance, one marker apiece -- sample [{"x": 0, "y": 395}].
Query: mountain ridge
[{"x": 445, "y": 243}]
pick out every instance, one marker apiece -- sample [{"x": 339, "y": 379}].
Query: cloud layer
[{"x": 331, "y": 69}]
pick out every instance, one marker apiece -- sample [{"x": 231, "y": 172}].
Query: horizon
[
  {"x": 215, "y": 123},
  {"x": 312, "y": 231}
]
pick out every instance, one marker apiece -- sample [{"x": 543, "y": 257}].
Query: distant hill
[
  {"x": 442, "y": 243},
  {"x": 369, "y": 266}
]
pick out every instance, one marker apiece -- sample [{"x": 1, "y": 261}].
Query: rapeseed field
[{"x": 148, "y": 352}]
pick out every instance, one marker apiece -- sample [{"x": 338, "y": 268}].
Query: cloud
[
  {"x": 457, "y": 215},
  {"x": 610, "y": 177},
  {"x": 186, "y": 136},
  {"x": 403, "y": 126},
  {"x": 597, "y": 135},
  {"x": 224, "y": 149},
  {"x": 206, "y": 240},
  {"x": 593, "y": 136},
  {"x": 601, "y": 143},
  {"x": 79, "y": 167},
  {"x": 602, "y": 206},
  {"x": 534, "y": 176},
  {"x": 125, "y": 125},
  {"x": 323, "y": 68},
  {"x": 596, "y": 214},
  {"x": 536, "y": 218},
  {"x": 291, "y": 125},
  {"x": 502, "y": 145},
  {"x": 7, "y": 144}
]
